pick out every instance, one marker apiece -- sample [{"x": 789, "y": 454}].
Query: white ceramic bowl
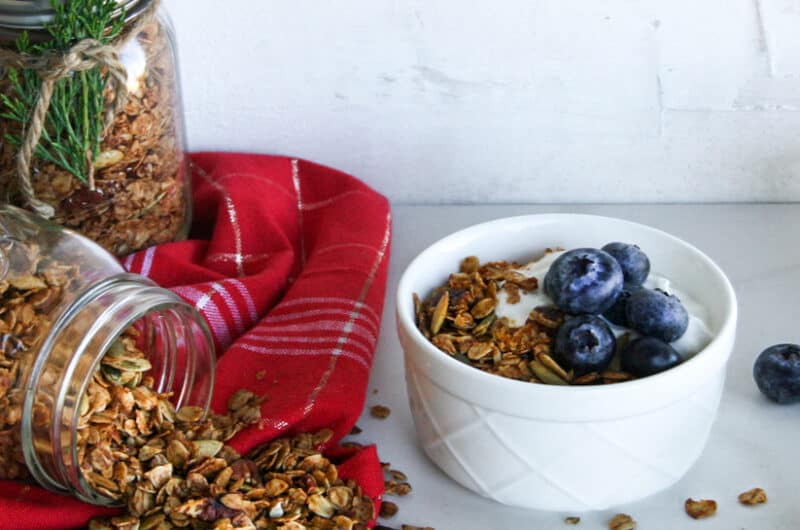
[{"x": 564, "y": 448}]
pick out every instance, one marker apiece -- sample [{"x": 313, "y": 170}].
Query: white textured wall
[{"x": 513, "y": 100}]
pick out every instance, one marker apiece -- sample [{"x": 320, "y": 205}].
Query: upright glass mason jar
[
  {"x": 138, "y": 192},
  {"x": 75, "y": 331}
]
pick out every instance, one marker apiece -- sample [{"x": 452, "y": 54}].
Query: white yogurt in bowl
[{"x": 697, "y": 336}]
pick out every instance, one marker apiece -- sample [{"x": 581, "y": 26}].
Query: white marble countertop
[{"x": 753, "y": 442}]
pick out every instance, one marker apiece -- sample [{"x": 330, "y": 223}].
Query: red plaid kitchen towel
[{"x": 287, "y": 261}]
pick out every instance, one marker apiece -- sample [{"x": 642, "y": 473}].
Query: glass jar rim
[
  {"x": 140, "y": 296},
  {"x": 37, "y": 14}
]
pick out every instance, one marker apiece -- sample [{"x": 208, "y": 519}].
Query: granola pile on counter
[{"x": 283, "y": 485}]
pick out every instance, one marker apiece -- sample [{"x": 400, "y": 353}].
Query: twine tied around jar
[{"x": 85, "y": 55}]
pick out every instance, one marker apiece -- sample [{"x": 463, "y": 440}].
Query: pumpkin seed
[
  {"x": 206, "y": 448},
  {"x": 483, "y": 308},
  {"x": 545, "y": 374},
  {"x": 553, "y": 366},
  {"x": 479, "y": 351},
  {"x": 484, "y": 325},
  {"x": 440, "y": 312},
  {"x": 127, "y": 364}
]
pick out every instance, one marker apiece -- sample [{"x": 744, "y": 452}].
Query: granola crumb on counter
[
  {"x": 753, "y": 497},
  {"x": 380, "y": 411},
  {"x": 622, "y": 521},
  {"x": 388, "y": 509},
  {"x": 700, "y": 509},
  {"x": 398, "y": 489}
]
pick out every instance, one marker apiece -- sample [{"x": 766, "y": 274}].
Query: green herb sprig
[{"x": 74, "y": 125}]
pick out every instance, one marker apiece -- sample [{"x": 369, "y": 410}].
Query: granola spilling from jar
[
  {"x": 138, "y": 196},
  {"x": 169, "y": 468},
  {"x": 127, "y": 430}
]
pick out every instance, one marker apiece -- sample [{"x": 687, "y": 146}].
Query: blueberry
[
  {"x": 777, "y": 373},
  {"x": 635, "y": 263},
  {"x": 585, "y": 343},
  {"x": 584, "y": 281},
  {"x": 647, "y": 356},
  {"x": 657, "y": 314},
  {"x": 616, "y": 313}
]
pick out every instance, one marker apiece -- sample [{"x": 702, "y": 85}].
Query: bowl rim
[{"x": 405, "y": 317}]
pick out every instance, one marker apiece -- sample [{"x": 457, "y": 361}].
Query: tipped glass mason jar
[
  {"x": 137, "y": 191},
  {"x": 74, "y": 330}
]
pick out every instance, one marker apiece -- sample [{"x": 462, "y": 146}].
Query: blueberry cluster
[{"x": 597, "y": 286}]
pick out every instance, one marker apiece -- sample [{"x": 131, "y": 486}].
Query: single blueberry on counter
[
  {"x": 584, "y": 281},
  {"x": 777, "y": 373},
  {"x": 635, "y": 263},
  {"x": 657, "y": 314},
  {"x": 585, "y": 344},
  {"x": 647, "y": 356},
  {"x": 616, "y": 314}
]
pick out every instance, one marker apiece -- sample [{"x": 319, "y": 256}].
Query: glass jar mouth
[
  {"x": 59, "y": 379},
  {"x": 37, "y": 14}
]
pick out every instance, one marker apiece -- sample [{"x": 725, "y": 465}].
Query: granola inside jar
[
  {"x": 132, "y": 188},
  {"x": 93, "y": 361}
]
